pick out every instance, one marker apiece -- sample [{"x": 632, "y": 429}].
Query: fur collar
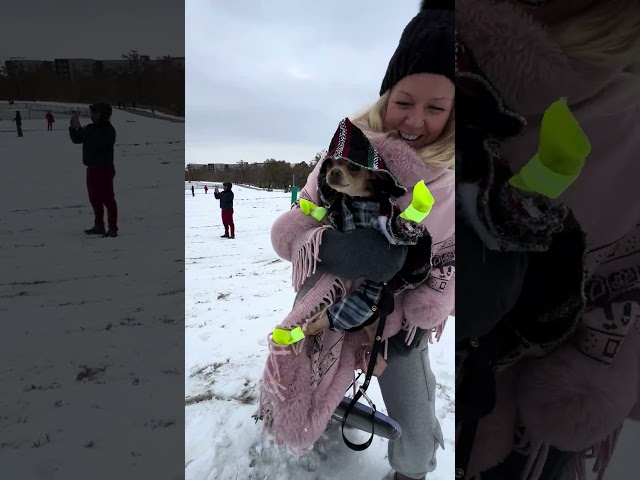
[
  {"x": 404, "y": 162},
  {"x": 529, "y": 70}
]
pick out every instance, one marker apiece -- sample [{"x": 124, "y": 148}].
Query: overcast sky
[
  {"x": 272, "y": 78},
  {"x": 44, "y": 30}
]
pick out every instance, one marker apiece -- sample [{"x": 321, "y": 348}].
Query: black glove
[{"x": 360, "y": 253}]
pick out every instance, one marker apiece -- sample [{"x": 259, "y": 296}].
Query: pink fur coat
[
  {"x": 303, "y": 384},
  {"x": 576, "y": 398}
]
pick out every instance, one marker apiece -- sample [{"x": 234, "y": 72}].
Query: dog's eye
[{"x": 353, "y": 167}]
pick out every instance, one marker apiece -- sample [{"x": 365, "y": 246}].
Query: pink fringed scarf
[
  {"x": 305, "y": 261},
  {"x": 303, "y": 384},
  {"x": 538, "y": 452}
]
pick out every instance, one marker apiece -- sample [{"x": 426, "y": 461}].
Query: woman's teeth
[{"x": 409, "y": 138}]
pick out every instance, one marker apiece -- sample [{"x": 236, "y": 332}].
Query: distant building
[
  {"x": 175, "y": 62},
  {"x": 73, "y": 68},
  {"x": 113, "y": 67},
  {"x": 221, "y": 167},
  {"x": 18, "y": 66},
  {"x": 194, "y": 166}
]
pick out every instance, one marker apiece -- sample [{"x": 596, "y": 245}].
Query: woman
[
  {"x": 412, "y": 127},
  {"x": 575, "y": 399}
]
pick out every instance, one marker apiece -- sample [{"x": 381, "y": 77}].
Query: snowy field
[
  {"x": 236, "y": 292},
  {"x": 86, "y": 317}
]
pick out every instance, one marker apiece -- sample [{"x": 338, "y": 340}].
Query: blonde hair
[
  {"x": 605, "y": 35},
  {"x": 440, "y": 153}
]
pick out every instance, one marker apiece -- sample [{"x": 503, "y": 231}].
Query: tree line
[
  {"x": 159, "y": 85},
  {"x": 276, "y": 174}
]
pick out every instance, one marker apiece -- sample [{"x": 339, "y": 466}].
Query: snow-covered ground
[
  {"x": 159, "y": 114},
  {"x": 236, "y": 292},
  {"x": 89, "y": 324},
  {"x": 62, "y": 111},
  {"x": 89, "y": 386}
]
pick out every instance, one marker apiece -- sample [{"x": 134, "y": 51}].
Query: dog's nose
[{"x": 335, "y": 175}]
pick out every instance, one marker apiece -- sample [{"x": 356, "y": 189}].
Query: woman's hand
[
  {"x": 314, "y": 328},
  {"x": 370, "y": 330},
  {"x": 342, "y": 254},
  {"x": 381, "y": 364}
]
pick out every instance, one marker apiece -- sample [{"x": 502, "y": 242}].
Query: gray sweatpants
[{"x": 408, "y": 388}]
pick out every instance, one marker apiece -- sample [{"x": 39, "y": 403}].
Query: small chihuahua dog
[
  {"x": 350, "y": 179},
  {"x": 353, "y": 181}
]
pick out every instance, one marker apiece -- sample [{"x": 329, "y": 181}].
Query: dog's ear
[{"x": 377, "y": 182}]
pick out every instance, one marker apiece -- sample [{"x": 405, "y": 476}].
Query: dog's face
[{"x": 350, "y": 179}]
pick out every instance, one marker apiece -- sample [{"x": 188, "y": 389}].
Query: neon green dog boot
[
  {"x": 421, "y": 203},
  {"x": 287, "y": 337},
  {"x": 310, "y": 208},
  {"x": 561, "y": 154}
]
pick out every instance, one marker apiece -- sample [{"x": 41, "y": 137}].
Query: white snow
[
  {"x": 157, "y": 113},
  {"x": 236, "y": 292},
  {"x": 68, "y": 300}
]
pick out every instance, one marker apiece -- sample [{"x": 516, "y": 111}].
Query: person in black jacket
[
  {"x": 226, "y": 204},
  {"x": 98, "y": 140}
]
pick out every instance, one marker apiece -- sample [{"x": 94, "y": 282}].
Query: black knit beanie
[{"x": 427, "y": 44}]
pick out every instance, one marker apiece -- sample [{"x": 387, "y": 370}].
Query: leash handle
[{"x": 375, "y": 350}]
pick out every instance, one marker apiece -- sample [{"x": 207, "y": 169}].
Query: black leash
[
  {"x": 382, "y": 309},
  {"x": 377, "y": 348}
]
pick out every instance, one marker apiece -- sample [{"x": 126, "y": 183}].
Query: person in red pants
[
  {"x": 226, "y": 205},
  {"x": 50, "y": 120},
  {"x": 98, "y": 140}
]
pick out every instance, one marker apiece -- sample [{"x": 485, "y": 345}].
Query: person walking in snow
[
  {"x": 18, "y": 121},
  {"x": 98, "y": 140},
  {"x": 206, "y": 189},
  {"x": 193, "y": 191},
  {"x": 226, "y": 205},
  {"x": 50, "y": 120},
  {"x": 415, "y": 111}
]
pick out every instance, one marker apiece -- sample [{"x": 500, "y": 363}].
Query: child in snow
[
  {"x": 98, "y": 140},
  {"x": 226, "y": 206},
  {"x": 50, "y": 120},
  {"x": 18, "y": 121}
]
